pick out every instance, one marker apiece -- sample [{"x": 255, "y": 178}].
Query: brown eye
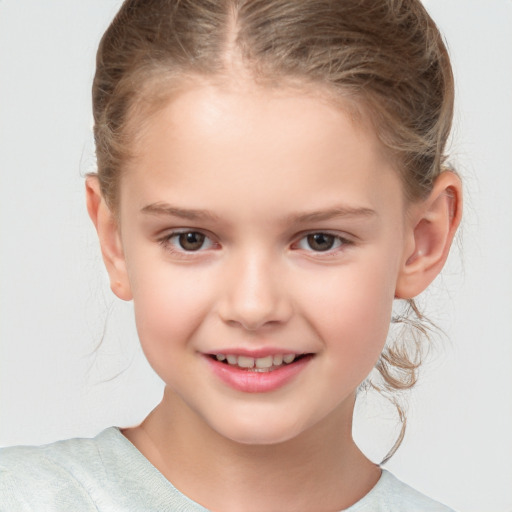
[
  {"x": 321, "y": 241},
  {"x": 191, "y": 241}
]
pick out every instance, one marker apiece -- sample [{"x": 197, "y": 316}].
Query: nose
[{"x": 254, "y": 295}]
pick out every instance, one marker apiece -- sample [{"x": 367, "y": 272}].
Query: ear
[
  {"x": 433, "y": 223},
  {"x": 110, "y": 239}
]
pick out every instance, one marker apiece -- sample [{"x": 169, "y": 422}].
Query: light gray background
[{"x": 54, "y": 297}]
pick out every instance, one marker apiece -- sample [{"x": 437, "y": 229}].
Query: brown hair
[{"x": 387, "y": 56}]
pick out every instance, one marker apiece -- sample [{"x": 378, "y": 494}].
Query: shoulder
[
  {"x": 50, "y": 477},
  {"x": 392, "y": 495},
  {"x": 104, "y": 474}
]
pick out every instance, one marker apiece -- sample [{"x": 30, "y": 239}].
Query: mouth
[
  {"x": 265, "y": 373},
  {"x": 264, "y": 364}
]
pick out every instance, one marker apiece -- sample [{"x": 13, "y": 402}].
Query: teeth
[
  {"x": 278, "y": 359},
  {"x": 262, "y": 363},
  {"x": 288, "y": 358},
  {"x": 245, "y": 362},
  {"x": 232, "y": 359}
]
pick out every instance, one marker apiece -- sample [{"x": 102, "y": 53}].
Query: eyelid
[
  {"x": 344, "y": 239},
  {"x": 165, "y": 241}
]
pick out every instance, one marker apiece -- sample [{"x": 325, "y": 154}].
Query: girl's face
[{"x": 264, "y": 227}]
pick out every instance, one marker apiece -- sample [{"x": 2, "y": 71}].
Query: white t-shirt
[{"x": 108, "y": 474}]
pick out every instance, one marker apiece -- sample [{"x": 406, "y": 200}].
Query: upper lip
[{"x": 255, "y": 352}]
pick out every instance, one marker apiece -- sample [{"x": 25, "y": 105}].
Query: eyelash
[
  {"x": 339, "y": 243},
  {"x": 167, "y": 242}
]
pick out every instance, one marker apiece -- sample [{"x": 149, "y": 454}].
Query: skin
[{"x": 261, "y": 162}]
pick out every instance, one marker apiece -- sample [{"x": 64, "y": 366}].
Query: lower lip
[{"x": 257, "y": 382}]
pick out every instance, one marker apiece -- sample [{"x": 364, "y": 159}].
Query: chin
[
  {"x": 258, "y": 432},
  {"x": 259, "y": 438}
]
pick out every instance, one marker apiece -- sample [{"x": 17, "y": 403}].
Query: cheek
[
  {"x": 352, "y": 313},
  {"x": 169, "y": 305}
]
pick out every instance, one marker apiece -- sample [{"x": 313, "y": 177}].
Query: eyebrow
[
  {"x": 301, "y": 218},
  {"x": 331, "y": 213},
  {"x": 174, "y": 211}
]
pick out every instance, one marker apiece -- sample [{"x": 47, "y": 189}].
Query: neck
[{"x": 321, "y": 469}]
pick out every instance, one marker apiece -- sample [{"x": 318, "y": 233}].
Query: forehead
[{"x": 253, "y": 140}]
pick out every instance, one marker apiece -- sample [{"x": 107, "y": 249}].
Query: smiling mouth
[{"x": 258, "y": 364}]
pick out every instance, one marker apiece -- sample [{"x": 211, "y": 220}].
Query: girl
[{"x": 271, "y": 178}]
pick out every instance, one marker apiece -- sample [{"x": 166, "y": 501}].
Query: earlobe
[
  {"x": 434, "y": 222},
  {"x": 110, "y": 240}
]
